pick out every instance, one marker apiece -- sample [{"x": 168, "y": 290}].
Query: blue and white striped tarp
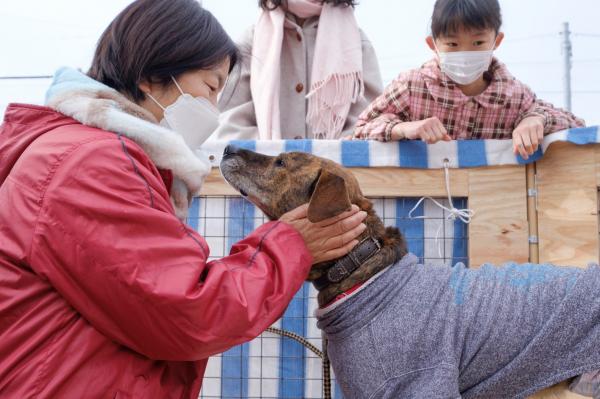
[{"x": 410, "y": 154}]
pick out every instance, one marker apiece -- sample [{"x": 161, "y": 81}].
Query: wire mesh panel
[{"x": 274, "y": 367}]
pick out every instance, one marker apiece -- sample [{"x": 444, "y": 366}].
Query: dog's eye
[{"x": 279, "y": 163}]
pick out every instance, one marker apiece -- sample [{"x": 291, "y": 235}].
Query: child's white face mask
[
  {"x": 465, "y": 67},
  {"x": 194, "y": 118}
]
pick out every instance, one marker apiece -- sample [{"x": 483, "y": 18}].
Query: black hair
[
  {"x": 155, "y": 39},
  {"x": 450, "y": 16},
  {"x": 273, "y": 4}
]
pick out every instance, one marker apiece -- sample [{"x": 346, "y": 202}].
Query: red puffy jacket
[{"x": 103, "y": 292}]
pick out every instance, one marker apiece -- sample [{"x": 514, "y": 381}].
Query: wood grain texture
[
  {"x": 216, "y": 185},
  {"x": 396, "y": 182},
  {"x": 378, "y": 182},
  {"x": 559, "y": 391},
  {"x": 568, "y": 205},
  {"x": 499, "y": 230}
]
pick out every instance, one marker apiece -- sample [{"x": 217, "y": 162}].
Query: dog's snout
[{"x": 230, "y": 150}]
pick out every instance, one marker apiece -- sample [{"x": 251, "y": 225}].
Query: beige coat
[{"x": 238, "y": 119}]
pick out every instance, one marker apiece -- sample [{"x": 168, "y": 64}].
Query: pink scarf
[{"x": 336, "y": 78}]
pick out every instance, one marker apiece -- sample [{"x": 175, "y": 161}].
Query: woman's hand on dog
[{"x": 331, "y": 238}]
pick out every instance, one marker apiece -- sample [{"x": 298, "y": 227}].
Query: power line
[
  {"x": 573, "y": 91},
  {"x": 553, "y": 62},
  {"x": 587, "y": 61},
  {"x": 530, "y": 37},
  {"x": 532, "y": 62},
  {"x": 597, "y": 35},
  {"x": 26, "y": 77}
]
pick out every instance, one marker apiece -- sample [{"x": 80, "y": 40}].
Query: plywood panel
[
  {"x": 216, "y": 185},
  {"x": 499, "y": 230},
  {"x": 378, "y": 182},
  {"x": 597, "y": 157},
  {"x": 568, "y": 205},
  {"x": 560, "y": 391},
  {"x": 395, "y": 182}
]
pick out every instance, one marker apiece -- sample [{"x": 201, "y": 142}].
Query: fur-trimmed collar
[{"x": 92, "y": 103}]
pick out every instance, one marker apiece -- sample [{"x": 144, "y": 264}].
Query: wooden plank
[
  {"x": 559, "y": 391},
  {"x": 597, "y": 157},
  {"x": 499, "y": 230},
  {"x": 378, "y": 182},
  {"x": 396, "y": 182},
  {"x": 216, "y": 185},
  {"x": 568, "y": 205}
]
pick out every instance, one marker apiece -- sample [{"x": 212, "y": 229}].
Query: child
[
  {"x": 464, "y": 92},
  {"x": 300, "y": 50}
]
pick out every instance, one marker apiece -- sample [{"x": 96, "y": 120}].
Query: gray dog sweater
[{"x": 428, "y": 331}]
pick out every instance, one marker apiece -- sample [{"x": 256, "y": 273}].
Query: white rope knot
[{"x": 464, "y": 215}]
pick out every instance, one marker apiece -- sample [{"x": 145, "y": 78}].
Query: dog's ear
[{"x": 330, "y": 197}]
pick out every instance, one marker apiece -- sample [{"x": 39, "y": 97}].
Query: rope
[
  {"x": 465, "y": 215},
  {"x": 316, "y": 351},
  {"x": 326, "y": 371}
]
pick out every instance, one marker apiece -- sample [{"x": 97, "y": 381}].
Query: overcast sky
[{"x": 38, "y": 36}]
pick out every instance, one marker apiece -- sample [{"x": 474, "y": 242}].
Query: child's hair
[
  {"x": 451, "y": 16},
  {"x": 273, "y": 4}
]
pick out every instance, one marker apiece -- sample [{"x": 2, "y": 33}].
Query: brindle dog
[{"x": 279, "y": 184}]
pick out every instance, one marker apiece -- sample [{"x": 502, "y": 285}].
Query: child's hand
[
  {"x": 429, "y": 130},
  {"x": 528, "y": 135}
]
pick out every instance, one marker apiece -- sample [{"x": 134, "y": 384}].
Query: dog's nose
[{"x": 230, "y": 150}]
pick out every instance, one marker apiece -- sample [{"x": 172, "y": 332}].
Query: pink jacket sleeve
[
  {"x": 555, "y": 119},
  {"x": 386, "y": 111},
  {"x": 107, "y": 240}
]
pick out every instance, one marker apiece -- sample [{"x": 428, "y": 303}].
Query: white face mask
[
  {"x": 195, "y": 119},
  {"x": 465, "y": 67}
]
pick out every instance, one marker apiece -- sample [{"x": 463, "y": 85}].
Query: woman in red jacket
[{"x": 104, "y": 292}]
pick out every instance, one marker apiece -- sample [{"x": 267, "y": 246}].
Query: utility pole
[{"x": 567, "y": 49}]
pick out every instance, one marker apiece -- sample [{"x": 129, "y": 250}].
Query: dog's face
[
  {"x": 279, "y": 184},
  {"x": 282, "y": 183}
]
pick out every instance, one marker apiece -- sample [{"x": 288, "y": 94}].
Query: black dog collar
[{"x": 345, "y": 266}]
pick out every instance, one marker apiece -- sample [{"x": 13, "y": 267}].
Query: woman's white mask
[
  {"x": 465, "y": 67},
  {"x": 194, "y": 118}
]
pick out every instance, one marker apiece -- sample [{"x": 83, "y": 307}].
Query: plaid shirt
[{"x": 426, "y": 92}]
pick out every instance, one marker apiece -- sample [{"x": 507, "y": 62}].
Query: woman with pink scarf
[{"x": 307, "y": 73}]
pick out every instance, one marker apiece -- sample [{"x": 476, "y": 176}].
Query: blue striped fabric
[
  {"x": 412, "y": 154},
  {"x": 234, "y": 382},
  {"x": 471, "y": 153},
  {"x": 459, "y": 242},
  {"x": 413, "y": 229},
  {"x": 355, "y": 153},
  {"x": 292, "y": 356},
  {"x": 194, "y": 210},
  {"x": 584, "y": 135}
]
